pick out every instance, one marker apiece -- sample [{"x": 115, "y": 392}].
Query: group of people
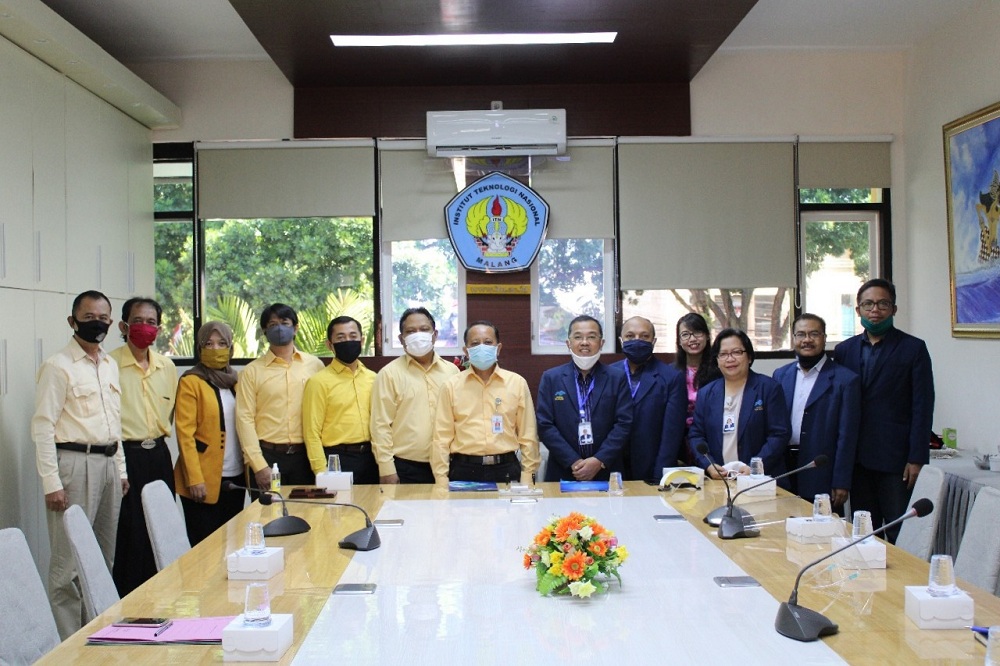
[{"x": 422, "y": 420}]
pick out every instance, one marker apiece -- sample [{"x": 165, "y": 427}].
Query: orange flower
[
  {"x": 542, "y": 538},
  {"x": 599, "y": 548},
  {"x": 597, "y": 529},
  {"x": 527, "y": 561},
  {"x": 573, "y": 566},
  {"x": 570, "y": 523}
]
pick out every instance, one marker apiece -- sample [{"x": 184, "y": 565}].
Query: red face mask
[{"x": 142, "y": 335}]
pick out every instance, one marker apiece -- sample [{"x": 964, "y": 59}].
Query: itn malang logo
[{"x": 496, "y": 224}]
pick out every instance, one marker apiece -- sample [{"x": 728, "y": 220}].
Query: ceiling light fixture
[{"x": 476, "y": 39}]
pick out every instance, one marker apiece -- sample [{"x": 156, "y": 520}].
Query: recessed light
[{"x": 476, "y": 39}]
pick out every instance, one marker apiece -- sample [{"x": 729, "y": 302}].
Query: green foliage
[
  {"x": 243, "y": 320},
  {"x": 826, "y": 195},
  {"x": 835, "y": 239},
  {"x": 314, "y": 321},
  {"x": 173, "y": 197},
  {"x": 424, "y": 274},
  {"x": 174, "y": 271},
  {"x": 570, "y": 283}
]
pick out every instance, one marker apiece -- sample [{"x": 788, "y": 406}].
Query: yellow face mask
[{"x": 215, "y": 358}]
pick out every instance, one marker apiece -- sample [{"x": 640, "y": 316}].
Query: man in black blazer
[
  {"x": 584, "y": 409},
  {"x": 824, "y": 405},
  {"x": 897, "y": 406}
]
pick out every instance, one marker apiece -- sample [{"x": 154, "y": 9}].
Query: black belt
[
  {"x": 485, "y": 461},
  {"x": 282, "y": 448},
  {"x": 145, "y": 443},
  {"x": 360, "y": 447},
  {"x": 104, "y": 449}
]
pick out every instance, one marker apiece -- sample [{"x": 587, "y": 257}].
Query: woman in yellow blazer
[{"x": 205, "y": 413}]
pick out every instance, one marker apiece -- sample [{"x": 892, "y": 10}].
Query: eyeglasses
[
  {"x": 868, "y": 306},
  {"x": 592, "y": 338},
  {"x": 687, "y": 335},
  {"x": 812, "y": 335},
  {"x": 735, "y": 354}
]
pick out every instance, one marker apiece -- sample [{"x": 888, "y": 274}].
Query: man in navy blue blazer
[
  {"x": 659, "y": 404},
  {"x": 584, "y": 409},
  {"x": 897, "y": 406},
  {"x": 824, "y": 403}
]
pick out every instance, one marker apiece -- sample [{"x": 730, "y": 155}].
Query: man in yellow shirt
[
  {"x": 484, "y": 416},
  {"x": 337, "y": 404},
  {"x": 269, "y": 402},
  {"x": 404, "y": 401},
  {"x": 77, "y": 430},
  {"x": 149, "y": 386}
]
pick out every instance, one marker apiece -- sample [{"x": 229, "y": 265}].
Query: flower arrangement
[{"x": 570, "y": 553}]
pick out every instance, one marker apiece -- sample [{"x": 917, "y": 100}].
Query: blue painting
[{"x": 972, "y": 174}]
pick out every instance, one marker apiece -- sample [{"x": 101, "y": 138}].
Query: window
[
  {"x": 423, "y": 273},
  {"x": 320, "y": 266},
  {"x": 843, "y": 235},
  {"x": 766, "y": 317},
  {"x": 571, "y": 277},
  {"x": 173, "y": 246}
]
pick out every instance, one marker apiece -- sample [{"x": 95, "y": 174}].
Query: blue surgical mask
[
  {"x": 280, "y": 335},
  {"x": 483, "y": 357}
]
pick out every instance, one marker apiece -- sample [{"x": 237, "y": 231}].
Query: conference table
[{"x": 664, "y": 608}]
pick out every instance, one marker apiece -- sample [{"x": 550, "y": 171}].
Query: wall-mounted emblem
[{"x": 497, "y": 224}]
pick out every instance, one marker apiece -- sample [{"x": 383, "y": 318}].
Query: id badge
[
  {"x": 497, "y": 424},
  {"x": 585, "y": 433},
  {"x": 729, "y": 425}
]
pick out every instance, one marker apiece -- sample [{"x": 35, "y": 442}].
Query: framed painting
[{"x": 972, "y": 184}]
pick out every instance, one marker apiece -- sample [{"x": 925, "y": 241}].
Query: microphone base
[
  {"x": 714, "y": 517},
  {"x": 736, "y": 527},
  {"x": 363, "y": 539},
  {"x": 802, "y": 624},
  {"x": 286, "y": 526}
]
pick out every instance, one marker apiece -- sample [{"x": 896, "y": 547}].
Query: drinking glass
[
  {"x": 941, "y": 582},
  {"x": 756, "y": 466},
  {"x": 333, "y": 463},
  {"x": 993, "y": 647},
  {"x": 822, "y": 509},
  {"x": 257, "y": 609},
  {"x": 615, "y": 486},
  {"x": 862, "y": 524},
  {"x": 253, "y": 544}
]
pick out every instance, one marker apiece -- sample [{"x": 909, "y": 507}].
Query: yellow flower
[
  {"x": 621, "y": 554},
  {"x": 582, "y": 589},
  {"x": 556, "y": 564}
]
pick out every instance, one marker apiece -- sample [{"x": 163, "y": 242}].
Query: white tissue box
[
  {"x": 335, "y": 480},
  {"x": 243, "y": 566},
  {"x": 927, "y": 612},
  {"x": 806, "y": 530},
  {"x": 869, "y": 554},
  {"x": 268, "y": 643},
  {"x": 767, "y": 490}
]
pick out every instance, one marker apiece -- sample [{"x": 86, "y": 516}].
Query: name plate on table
[
  {"x": 471, "y": 486},
  {"x": 583, "y": 486}
]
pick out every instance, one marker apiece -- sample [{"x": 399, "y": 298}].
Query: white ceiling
[{"x": 143, "y": 30}]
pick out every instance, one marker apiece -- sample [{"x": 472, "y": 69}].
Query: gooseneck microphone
[
  {"x": 366, "y": 538},
  {"x": 285, "y": 525},
  {"x": 805, "y": 625},
  {"x": 714, "y": 517},
  {"x": 733, "y": 527}
]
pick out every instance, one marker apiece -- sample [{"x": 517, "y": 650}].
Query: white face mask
[
  {"x": 585, "y": 362},
  {"x": 419, "y": 344}
]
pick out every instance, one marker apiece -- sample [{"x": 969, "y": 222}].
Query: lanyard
[
  {"x": 583, "y": 398},
  {"x": 628, "y": 375}
]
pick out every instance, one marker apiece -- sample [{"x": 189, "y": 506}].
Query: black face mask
[
  {"x": 809, "y": 362},
  {"x": 348, "y": 351},
  {"x": 92, "y": 331}
]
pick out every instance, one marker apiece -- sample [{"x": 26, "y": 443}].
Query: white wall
[
  {"x": 223, "y": 100},
  {"x": 953, "y": 73}
]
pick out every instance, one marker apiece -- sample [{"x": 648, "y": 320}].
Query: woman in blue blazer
[{"x": 742, "y": 414}]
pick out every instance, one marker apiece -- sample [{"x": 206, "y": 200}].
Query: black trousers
[
  {"x": 294, "y": 467},
  {"x": 461, "y": 470},
  {"x": 203, "y": 519},
  {"x": 411, "y": 471},
  {"x": 362, "y": 463},
  {"x": 883, "y": 493},
  {"x": 134, "y": 563}
]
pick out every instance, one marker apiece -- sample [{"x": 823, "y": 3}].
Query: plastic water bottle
[{"x": 275, "y": 479}]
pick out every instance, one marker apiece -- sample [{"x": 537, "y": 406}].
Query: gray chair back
[
  {"x": 96, "y": 584},
  {"x": 27, "y": 628},
  {"x": 167, "y": 533},
  {"x": 917, "y": 535},
  {"x": 978, "y": 559}
]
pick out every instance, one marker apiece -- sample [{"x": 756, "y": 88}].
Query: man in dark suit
[
  {"x": 584, "y": 409},
  {"x": 659, "y": 404},
  {"x": 824, "y": 402},
  {"x": 897, "y": 406}
]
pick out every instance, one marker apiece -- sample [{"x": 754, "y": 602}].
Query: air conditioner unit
[{"x": 492, "y": 133}]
